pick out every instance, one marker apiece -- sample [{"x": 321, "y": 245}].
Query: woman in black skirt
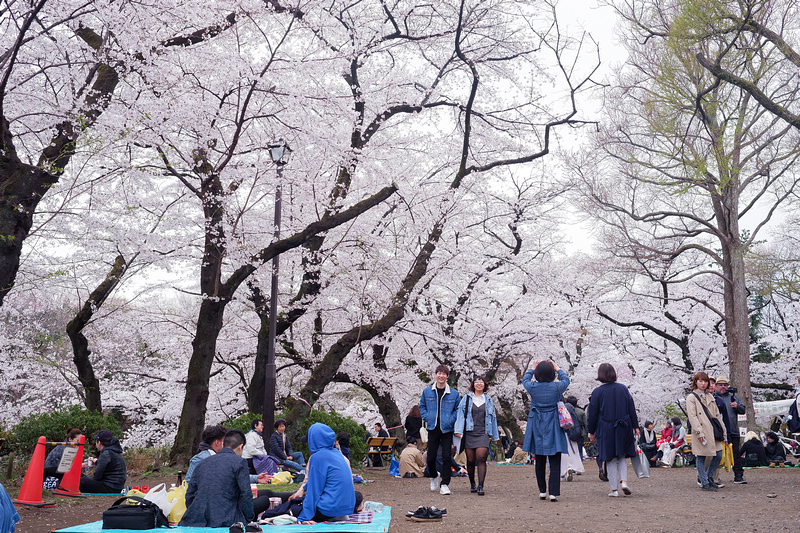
[{"x": 476, "y": 425}]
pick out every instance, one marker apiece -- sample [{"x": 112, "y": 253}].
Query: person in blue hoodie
[{"x": 329, "y": 491}]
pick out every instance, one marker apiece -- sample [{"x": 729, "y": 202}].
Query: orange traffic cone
[
  {"x": 70, "y": 485},
  {"x": 31, "y": 491}
]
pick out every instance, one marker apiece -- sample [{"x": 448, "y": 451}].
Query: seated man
[
  {"x": 329, "y": 491},
  {"x": 210, "y": 444},
  {"x": 377, "y": 461},
  {"x": 219, "y": 492},
  {"x": 281, "y": 449},
  {"x": 110, "y": 471},
  {"x": 411, "y": 463}
]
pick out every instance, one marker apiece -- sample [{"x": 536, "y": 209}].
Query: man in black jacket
[
  {"x": 281, "y": 449},
  {"x": 110, "y": 471},
  {"x": 734, "y": 407}
]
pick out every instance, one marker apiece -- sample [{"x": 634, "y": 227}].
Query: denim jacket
[
  {"x": 429, "y": 408},
  {"x": 491, "y": 417}
]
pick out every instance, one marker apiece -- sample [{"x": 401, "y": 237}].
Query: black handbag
[
  {"x": 719, "y": 432},
  {"x": 144, "y": 514}
]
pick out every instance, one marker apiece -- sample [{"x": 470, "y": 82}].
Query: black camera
[{"x": 733, "y": 390}]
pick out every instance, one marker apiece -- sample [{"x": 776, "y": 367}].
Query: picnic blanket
[{"x": 379, "y": 524}]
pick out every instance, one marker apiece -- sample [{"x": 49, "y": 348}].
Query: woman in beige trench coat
[{"x": 707, "y": 450}]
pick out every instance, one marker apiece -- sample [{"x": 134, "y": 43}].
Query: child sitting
[{"x": 776, "y": 453}]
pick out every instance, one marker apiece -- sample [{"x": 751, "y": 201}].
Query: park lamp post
[{"x": 280, "y": 152}]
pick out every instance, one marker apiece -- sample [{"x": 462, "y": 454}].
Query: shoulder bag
[
  {"x": 719, "y": 432},
  {"x": 564, "y": 418},
  {"x": 460, "y": 446},
  {"x": 143, "y": 514}
]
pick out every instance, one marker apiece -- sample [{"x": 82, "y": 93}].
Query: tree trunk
[
  {"x": 80, "y": 345},
  {"x": 216, "y": 297}
]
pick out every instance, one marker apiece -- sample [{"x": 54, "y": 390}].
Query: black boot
[
  {"x": 480, "y": 490},
  {"x": 472, "y": 487}
]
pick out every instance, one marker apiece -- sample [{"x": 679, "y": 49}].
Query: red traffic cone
[
  {"x": 31, "y": 491},
  {"x": 70, "y": 485}
]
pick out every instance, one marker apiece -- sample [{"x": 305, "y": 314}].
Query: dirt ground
[{"x": 668, "y": 501}]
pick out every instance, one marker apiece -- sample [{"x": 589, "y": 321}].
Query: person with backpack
[
  {"x": 793, "y": 418},
  {"x": 572, "y": 461}
]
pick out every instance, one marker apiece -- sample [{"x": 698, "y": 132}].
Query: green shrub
[
  {"x": 54, "y": 427},
  {"x": 337, "y": 423}
]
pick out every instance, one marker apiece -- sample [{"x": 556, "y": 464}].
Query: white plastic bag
[{"x": 158, "y": 495}]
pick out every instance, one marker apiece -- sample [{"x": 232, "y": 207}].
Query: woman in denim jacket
[{"x": 478, "y": 429}]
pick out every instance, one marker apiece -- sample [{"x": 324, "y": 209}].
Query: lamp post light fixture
[{"x": 280, "y": 152}]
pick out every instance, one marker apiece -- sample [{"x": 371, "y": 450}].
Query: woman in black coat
[
  {"x": 414, "y": 423},
  {"x": 613, "y": 426},
  {"x": 647, "y": 442}
]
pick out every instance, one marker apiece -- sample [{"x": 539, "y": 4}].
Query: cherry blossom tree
[{"x": 695, "y": 158}]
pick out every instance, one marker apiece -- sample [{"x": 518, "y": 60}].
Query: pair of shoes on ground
[
  {"x": 426, "y": 514},
  {"x": 239, "y": 527}
]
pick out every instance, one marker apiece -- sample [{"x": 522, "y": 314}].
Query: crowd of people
[{"x": 228, "y": 462}]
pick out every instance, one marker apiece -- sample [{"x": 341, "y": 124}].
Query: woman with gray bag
[{"x": 708, "y": 431}]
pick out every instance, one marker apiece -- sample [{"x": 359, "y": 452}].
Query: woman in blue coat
[
  {"x": 613, "y": 426},
  {"x": 544, "y": 437}
]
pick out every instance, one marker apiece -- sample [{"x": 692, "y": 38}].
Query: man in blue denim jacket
[{"x": 438, "y": 406}]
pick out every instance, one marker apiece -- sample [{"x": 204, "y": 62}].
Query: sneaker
[
  {"x": 740, "y": 481},
  {"x": 569, "y": 474},
  {"x": 715, "y": 484},
  {"x": 553, "y": 498},
  {"x": 253, "y": 527},
  {"x": 719, "y": 484},
  {"x": 710, "y": 487},
  {"x": 613, "y": 494},
  {"x": 237, "y": 527},
  {"x": 625, "y": 488},
  {"x": 435, "y": 483},
  {"x": 699, "y": 484},
  {"x": 444, "y": 490},
  {"x": 542, "y": 495}
]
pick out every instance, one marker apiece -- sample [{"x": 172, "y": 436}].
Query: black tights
[{"x": 477, "y": 456}]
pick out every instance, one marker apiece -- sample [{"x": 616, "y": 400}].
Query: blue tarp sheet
[{"x": 379, "y": 524}]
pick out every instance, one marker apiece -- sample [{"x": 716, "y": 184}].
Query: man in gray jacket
[{"x": 734, "y": 407}]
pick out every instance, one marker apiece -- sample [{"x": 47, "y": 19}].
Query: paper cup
[{"x": 254, "y": 490}]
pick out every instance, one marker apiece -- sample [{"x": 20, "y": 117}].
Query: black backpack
[
  {"x": 793, "y": 420},
  {"x": 143, "y": 514},
  {"x": 575, "y": 433}
]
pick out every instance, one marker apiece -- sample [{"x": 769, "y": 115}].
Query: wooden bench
[{"x": 382, "y": 446}]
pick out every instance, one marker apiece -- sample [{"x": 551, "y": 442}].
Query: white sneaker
[
  {"x": 625, "y": 488},
  {"x": 435, "y": 483},
  {"x": 444, "y": 490}
]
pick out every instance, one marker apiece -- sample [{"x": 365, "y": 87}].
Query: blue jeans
[
  {"x": 706, "y": 473},
  {"x": 296, "y": 463}
]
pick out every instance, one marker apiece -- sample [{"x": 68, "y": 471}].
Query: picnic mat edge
[{"x": 380, "y": 524}]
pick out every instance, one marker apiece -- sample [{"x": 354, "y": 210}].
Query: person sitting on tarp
[
  {"x": 219, "y": 492},
  {"x": 753, "y": 450},
  {"x": 110, "y": 471},
  {"x": 281, "y": 449},
  {"x": 54, "y": 457},
  {"x": 329, "y": 491},
  {"x": 411, "y": 462},
  {"x": 8, "y": 513}
]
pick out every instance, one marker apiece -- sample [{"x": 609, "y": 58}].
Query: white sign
[{"x": 70, "y": 452}]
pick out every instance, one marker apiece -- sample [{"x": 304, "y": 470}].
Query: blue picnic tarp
[{"x": 379, "y": 524}]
